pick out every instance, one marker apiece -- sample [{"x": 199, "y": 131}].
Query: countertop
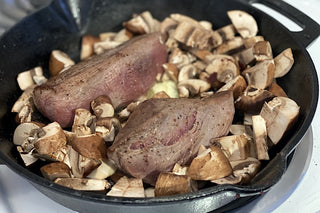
[{"x": 18, "y": 195}]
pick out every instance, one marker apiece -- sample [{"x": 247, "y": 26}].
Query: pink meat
[
  {"x": 163, "y": 132},
  {"x": 123, "y": 74}
]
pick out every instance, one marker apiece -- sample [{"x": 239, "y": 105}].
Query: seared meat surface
[
  {"x": 162, "y": 132},
  {"x": 123, "y": 74}
]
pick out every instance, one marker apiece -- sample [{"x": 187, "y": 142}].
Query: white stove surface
[{"x": 297, "y": 191}]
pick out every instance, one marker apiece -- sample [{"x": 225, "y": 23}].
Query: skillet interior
[{"x": 29, "y": 44}]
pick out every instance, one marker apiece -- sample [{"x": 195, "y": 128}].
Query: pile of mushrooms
[{"x": 201, "y": 62}]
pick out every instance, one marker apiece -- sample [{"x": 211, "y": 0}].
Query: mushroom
[
  {"x": 167, "y": 25},
  {"x": 173, "y": 184},
  {"x": 171, "y": 70},
  {"x": 27, "y": 157},
  {"x": 25, "y": 135},
  {"x": 235, "y": 147},
  {"x": 83, "y": 184},
  {"x": 209, "y": 165},
  {"x": 206, "y": 24},
  {"x": 194, "y": 86},
  {"x": 101, "y": 46},
  {"x": 149, "y": 192},
  {"x": 239, "y": 129},
  {"x": 204, "y": 55},
  {"x": 59, "y": 61},
  {"x": 244, "y": 23},
  {"x": 87, "y": 46},
  {"x": 31, "y": 77},
  {"x": 250, "y": 42},
  {"x": 142, "y": 23},
  {"x": 245, "y": 57},
  {"x": 276, "y": 90},
  {"x": 243, "y": 172},
  {"x": 280, "y": 115},
  {"x": 90, "y": 146},
  {"x": 51, "y": 138},
  {"x": 84, "y": 122},
  {"x": 261, "y": 75},
  {"x": 102, "y": 107},
  {"x": 187, "y": 72},
  {"x": 216, "y": 39},
  {"x": 230, "y": 46},
  {"x": 192, "y": 35},
  {"x": 179, "y": 170},
  {"x": 182, "y": 18},
  {"x": 107, "y": 128},
  {"x": 262, "y": 51},
  {"x": 180, "y": 58},
  {"x": 237, "y": 85},
  {"x": 227, "y": 32},
  {"x": 55, "y": 170},
  {"x": 283, "y": 63},
  {"x": 260, "y": 137},
  {"x": 122, "y": 36},
  {"x": 127, "y": 187},
  {"x": 252, "y": 99},
  {"x": 107, "y": 36},
  {"x": 106, "y": 169}
]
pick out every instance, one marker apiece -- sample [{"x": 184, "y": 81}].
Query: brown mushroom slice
[
  {"x": 276, "y": 90},
  {"x": 252, "y": 99},
  {"x": 107, "y": 36},
  {"x": 216, "y": 39},
  {"x": 280, "y": 115},
  {"x": 171, "y": 70},
  {"x": 244, "y": 23},
  {"x": 25, "y": 135},
  {"x": 83, "y": 184},
  {"x": 27, "y": 157},
  {"x": 187, "y": 72},
  {"x": 245, "y": 57},
  {"x": 239, "y": 129},
  {"x": 180, "y": 58},
  {"x": 25, "y": 99},
  {"x": 149, "y": 192},
  {"x": 231, "y": 46},
  {"x": 167, "y": 25},
  {"x": 194, "y": 86},
  {"x": 261, "y": 75},
  {"x": 81, "y": 166},
  {"x": 31, "y": 77},
  {"x": 250, "y": 42},
  {"x": 107, "y": 128},
  {"x": 173, "y": 184},
  {"x": 179, "y": 170},
  {"x": 51, "y": 139},
  {"x": 237, "y": 85},
  {"x": 106, "y": 169},
  {"x": 283, "y": 63},
  {"x": 90, "y": 146},
  {"x": 209, "y": 165},
  {"x": 87, "y": 46},
  {"x": 192, "y": 36},
  {"x": 223, "y": 68},
  {"x": 142, "y": 23},
  {"x": 243, "y": 172},
  {"x": 55, "y": 170},
  {"x": 58, "y": 155},
  {"x": 102, "y": 107},
  {"x": 260, "y": 137},
  {"x": 203, "y": 55},
  {"x": 102, "y": 46},
  {"x": 227, "y": 32},
  {"x": 183, "y": 18},
  {"x": 235, "y": 147},
  {"x": 59, "y": 61},
  {"x": 84, "y": 122},
  {"x": 122, "y": 36},
  {"x": 127, "y": 187},
  {"x": 262, "y": 51}
]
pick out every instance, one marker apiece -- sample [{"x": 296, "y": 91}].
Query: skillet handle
[{"x": 310, "y": 28}]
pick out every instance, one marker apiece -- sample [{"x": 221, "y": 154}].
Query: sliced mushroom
[
  {"x": 244, "y": 23},
  {"x": 102, "y": 107},
  {"x": 90, "y": 146},
  {"x": 173, "y": 184},
  {"x": 239, "y": 129},
  {"x": 58, "y": 155},
  {"x": 149, "y": 192},
  {"x": 280, "y": 115},
  {"x": 55, "y": 170},
  {"x": 31, "y": 77},
  {"x": 84, "y": 122},
  {"x": 127, "y": 187},
  {"x": 194, "y": 86},
  {"x": 283, "y": 63},
  {"x": 209, "y": 165},
  {"x": 27, "y": 157},
  {"x": 107, "y": 36},
  {"x": 183, "y": 18},
  {"x": 187, "y": 72},
  {"x": 252, "y": 99},
  {"x": 245, "y": 57},
  {"x": 51, "y": 139},
  {"x": 171, "y": 70},
  {"x": 84, "y": 184},
  {"x": 142, "y": 23},
  {"x": 261, "y": 75},
  {"x": 102, "y": 46},
  {"x": 179, "y": 170},
  {"x": 237, "y": 85},
  {"x": 260, "y": 137},
  {"x": 167, "y": 25},
  {"x": 87, "y": 46},
  {"x": 122, "y": 36},
  {"x": 59, "y": 61},
  {"x": 180, "y": 58},
  {"x": 25, "y": 135},
  {"x": 262, "y": 51},
  {"x": 216, "y": 39},
  {"x": 106, "y": 169},
  {"x": 230, "y": 46},
  {"x": 204, "y": 55},
  {"x": 235, "y": 147},
  {"x": 107, "y": 128},
  {"x": 250, "y": 42},
  {"x": 276, "y": 90},
  {"x": 227, "y": 32}
]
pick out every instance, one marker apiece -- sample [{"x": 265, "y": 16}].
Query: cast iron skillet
[{"x": 61, "y": 25}]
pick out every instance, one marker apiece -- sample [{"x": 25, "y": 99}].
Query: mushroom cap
[{"x": 244, "y": 23}]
